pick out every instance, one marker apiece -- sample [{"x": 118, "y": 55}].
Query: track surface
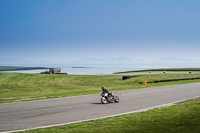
[{"x": 26, "y": 115}]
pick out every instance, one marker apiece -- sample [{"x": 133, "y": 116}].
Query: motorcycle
[{"x": 106, "y": 98}]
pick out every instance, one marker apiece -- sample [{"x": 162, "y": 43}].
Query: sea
[{"x": 102, "y": 69}]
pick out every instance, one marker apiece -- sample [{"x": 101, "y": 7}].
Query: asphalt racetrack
[{"x": 60, "y": 111}]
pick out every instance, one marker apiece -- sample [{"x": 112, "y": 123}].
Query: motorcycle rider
[{"x": 106, "y": 91}]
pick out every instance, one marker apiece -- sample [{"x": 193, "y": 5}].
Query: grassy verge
[
  {"x": 17, "y": 87},
  {"x": 181, "y": 118}
]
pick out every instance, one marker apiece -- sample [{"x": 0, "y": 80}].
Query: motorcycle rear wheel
[{"x": 116, "y": 99}]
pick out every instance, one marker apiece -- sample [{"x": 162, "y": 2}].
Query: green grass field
[
  {"x": 17, "y": 87},
  {"x": 181, "y": 118}
]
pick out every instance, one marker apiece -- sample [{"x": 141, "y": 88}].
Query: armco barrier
[{"x": 158, "y": 81}]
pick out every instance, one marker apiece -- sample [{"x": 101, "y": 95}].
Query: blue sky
[{"x": 65, "y": 30}]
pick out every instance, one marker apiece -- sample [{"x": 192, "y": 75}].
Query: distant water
[{"x": 99, "y": 69}]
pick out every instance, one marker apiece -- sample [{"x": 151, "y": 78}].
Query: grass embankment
[
  {"x": 181, "y": 118},
  {"x": 17, "y": 87},
  {"x": 16, "y": 68},
  {"x": 163, "y": 70}
]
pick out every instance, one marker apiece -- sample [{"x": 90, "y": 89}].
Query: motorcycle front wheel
[{"x": 103, "y": 100}]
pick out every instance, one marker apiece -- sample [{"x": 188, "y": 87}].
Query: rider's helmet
[{"x": 103, "y": 88}]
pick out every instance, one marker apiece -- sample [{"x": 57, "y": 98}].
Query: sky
[{"x": 67, "y": 30}]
